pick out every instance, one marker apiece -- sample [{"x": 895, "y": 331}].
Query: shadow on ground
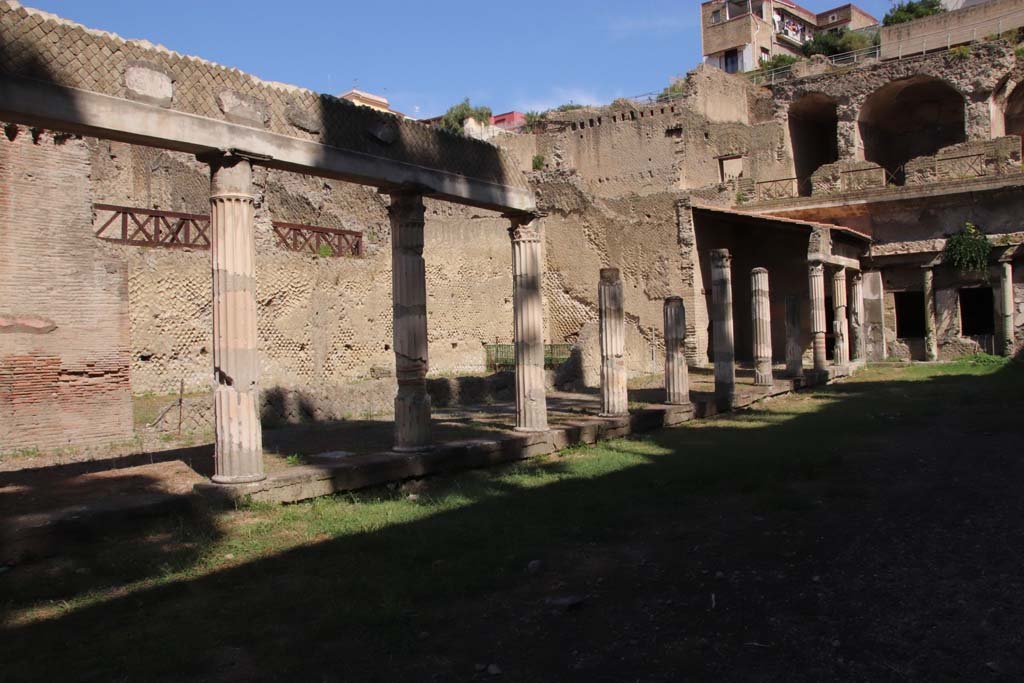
[{"x": 876, "y": 537}]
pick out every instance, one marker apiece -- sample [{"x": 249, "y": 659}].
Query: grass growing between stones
[{"x": 365, "y": 575}]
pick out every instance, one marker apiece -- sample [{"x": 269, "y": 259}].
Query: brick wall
[{"x": 64, "y": 360}]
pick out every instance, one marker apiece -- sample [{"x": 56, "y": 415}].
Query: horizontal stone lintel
[{"x": 37, "y": 103}]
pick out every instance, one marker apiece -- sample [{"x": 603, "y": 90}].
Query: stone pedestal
[
  {"x": 857, "y": 331},
  {"x": 677, "y": 374},
  {"x": 611, "y": 304},
  {"x": 528, "y": 325},
  {"x": 725, "y": 342},
  {"x": 841, "y": 325},
  {"x": 816, "y": 271},
  {"x": 931, "y": 340},
  {"x": 761, "y": 312},
  {"x": 409, "y": 306},
  {"x": 794, "y": 350},
  {"x": 238, "y": 454}
]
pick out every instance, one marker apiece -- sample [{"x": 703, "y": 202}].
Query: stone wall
[
  {"x": 64, "y": 330},
  {"x": 323, "y": 322}
]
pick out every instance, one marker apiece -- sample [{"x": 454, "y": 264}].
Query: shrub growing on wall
[
  {"x": 968, "y": 250},
  {"x": 830, "y": 43},
  {"x": 456, "y": 116}
]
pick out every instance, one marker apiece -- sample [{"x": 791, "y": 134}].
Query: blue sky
[{"x": 425, "y": 56}]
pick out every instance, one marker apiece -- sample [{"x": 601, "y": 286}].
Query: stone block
[
  {"x": 243, "y": 109},
  {"x": 150, "y": 83}
]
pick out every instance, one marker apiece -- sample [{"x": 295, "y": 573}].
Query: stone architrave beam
[{"x": 37, "y": 103}]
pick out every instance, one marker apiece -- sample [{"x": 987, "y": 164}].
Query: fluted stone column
[
  {"x": 817, "y": 281},
  {"x": 610, "y": 307},
  {"x": 761, "y": 312},
  {"x": 794, "y": 351},
  {"x": 1006, "y": 307},
  {"x": 409, "y": 306},
  {"x": 841, "y": 325},
  {"x": 677, "y": 374},
  {"x": 931, "y": 341},
  {"x": 528, "y": 325},
  {"x": 857, "y": 317},
  {"x": 725, "y": 342},
  {"x": 238, "y": 455}
]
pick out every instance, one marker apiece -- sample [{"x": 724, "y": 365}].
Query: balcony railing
[
  {"x": 152, "y": 228},
  {"x": 327, "y": 242}
]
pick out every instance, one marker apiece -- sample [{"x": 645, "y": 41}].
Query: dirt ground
[{"x": 889, "y": 545}]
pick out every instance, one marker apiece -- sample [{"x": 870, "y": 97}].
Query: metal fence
[{"x": 502, "y": 357}]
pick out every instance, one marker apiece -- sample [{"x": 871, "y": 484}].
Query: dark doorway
[
  {"x": 813, "y": 130},
  {"x": 977, "y": 312},
  {"x": 830, "y": 330},
  {"x": 909, "y": 315},
  {"x": 910, "y": 118},
  {"x": 732, "y": 61},
  {"x": 1014, "y": 112}
]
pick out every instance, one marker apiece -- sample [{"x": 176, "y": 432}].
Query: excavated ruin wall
[{"x": 325, "y": 324}]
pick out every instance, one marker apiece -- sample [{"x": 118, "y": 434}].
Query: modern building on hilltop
[{"x": 737, "y": 35}]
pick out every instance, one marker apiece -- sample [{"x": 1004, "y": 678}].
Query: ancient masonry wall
[
  {"x": 323, "y": 322},
  {"x": 64, "y": 326}
]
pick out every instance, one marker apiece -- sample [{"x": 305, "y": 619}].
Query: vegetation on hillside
[
  {"x": 672, "y": 90},
  {"x": 911, "y": 10},
  {"x": 456, "y": 116},
  {"x": 778, "y": 62},
  {"x": 830, "y": 43}
]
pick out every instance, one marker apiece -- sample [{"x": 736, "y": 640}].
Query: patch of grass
[{"x": 374, "y": 558}]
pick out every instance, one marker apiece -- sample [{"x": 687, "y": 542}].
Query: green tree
[
  {"x": 911, "y": 10},
  {"x": 778, "y": 62},
  {"x": 456, "y": 116},
  {"x": 830, "y": 43}
]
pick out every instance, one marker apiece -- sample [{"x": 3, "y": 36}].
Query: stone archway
[
  {"x": 910, "y": 118},
  {"x": 814, "y": 133}
]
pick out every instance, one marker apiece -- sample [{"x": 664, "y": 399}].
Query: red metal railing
[
  {"x": 328, "y": 242},
  {"x": 152, "y": 228}
]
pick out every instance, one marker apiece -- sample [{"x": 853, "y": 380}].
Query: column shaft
[
  {"x": 409, "y": 307},
  {"x": 857, "y": 318},
  {"x": 725, "y": 343},
  {"x": 761, "y": 313},
  {"x": 528, "y": 326},
  {"x": 611, "y": 305},
  {"x": 238, "y": 454},
  {"x": 931, "y": 341},
  {"x": 817, "y": 281},
  {"x": 1006, "y": 307},
  {"x": 841, "y": 324},
  {"x": 677, "y": 374},
  {"x": 794, "y": 350}
]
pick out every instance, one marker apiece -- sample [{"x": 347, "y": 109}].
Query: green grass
[{"x": 370, "y": 557}]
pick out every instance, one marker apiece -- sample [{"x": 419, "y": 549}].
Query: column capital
[
  {"x": 524, "y": 227},
  {"x": 721, "y": 257}
]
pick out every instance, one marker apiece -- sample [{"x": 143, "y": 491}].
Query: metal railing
[
  {"x": 502, "y": 357},
  {"x": 327, "y": 242},
  {"x": 152, "y": 228},
  {"x": 980, "y": 32}
]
